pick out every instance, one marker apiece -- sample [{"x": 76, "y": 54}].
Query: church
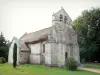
[{"x": 49, "y": 46}]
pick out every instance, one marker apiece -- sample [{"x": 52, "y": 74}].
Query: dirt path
[{"x": 90, "y": 69}]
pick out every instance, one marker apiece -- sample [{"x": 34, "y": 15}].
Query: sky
[{"x": 20, "y": 16}]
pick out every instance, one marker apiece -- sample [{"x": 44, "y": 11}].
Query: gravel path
[{"x": 90, "y": 69}]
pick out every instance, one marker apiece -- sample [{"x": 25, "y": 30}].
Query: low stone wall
[{"x": 24, "y": 57}]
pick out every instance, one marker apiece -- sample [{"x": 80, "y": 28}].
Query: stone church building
[{"x": 49, "y": 46}]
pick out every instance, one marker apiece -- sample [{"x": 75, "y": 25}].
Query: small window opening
[
  {"x": 43, "y": 48},
  {"x": 65, "y": 55},
  {"x": 65, "y": 19},
  {"x": 61, "y": 17}
]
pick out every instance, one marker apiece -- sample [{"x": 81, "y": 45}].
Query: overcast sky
[{"x": 20, "y": 16}]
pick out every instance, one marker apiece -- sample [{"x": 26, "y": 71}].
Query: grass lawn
[
  {"x": 6, "y": 69},
  {"x": 94, "y": 66}
]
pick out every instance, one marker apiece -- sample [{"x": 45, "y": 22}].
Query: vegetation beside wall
[
  {"x": 71, "y": 64},
  {"x": 92, "y": 65},
  {"x": 87, "y": 27},
  {"x": 4, "y": 47}
]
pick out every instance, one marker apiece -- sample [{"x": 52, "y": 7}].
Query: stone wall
[
  {"x": 58, "y": 51},
  {"x": 47, "y": 53},
  {"x": 35, "y": 53},
  {"x": 61, "y": 55},
  {"x": 54, "y": 52},
  {"x": 24, "y": 57}
]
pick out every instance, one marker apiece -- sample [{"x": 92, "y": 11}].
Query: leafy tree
[
  {"x": 3, "y": 47},
  {"x": 8, "y": 43},
  {"x": 87, "y": 27}
]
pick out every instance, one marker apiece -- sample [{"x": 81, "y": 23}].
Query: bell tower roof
[
  {"x": 61, "y": 14},
  {"x": 61, "y": 10}
]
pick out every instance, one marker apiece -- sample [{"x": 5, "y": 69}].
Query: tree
[
  {"x": 3, "y": 47},
  {"x": 87, "y": 27},
  {"x": 15, "y": 56}
]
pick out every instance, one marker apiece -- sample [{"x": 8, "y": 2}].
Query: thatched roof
[
  {"x": 33, "y": 37},
  {"x": 36, "y": 36},
  {"x": 23, "y": 46}
]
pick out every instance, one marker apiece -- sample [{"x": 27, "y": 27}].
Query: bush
[
  {"x": 2, "y": 60},
  {"x": 71, "y": 64}
]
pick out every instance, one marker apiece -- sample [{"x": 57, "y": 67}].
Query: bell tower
[
  {"x": 61, "y": 17},
  {"x": 60, "y": 23},
  {"x": 62, "y": 38}
]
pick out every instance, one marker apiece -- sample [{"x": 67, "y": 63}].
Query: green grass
[
  {"x": 94, "y": 66},
  {"x": 6, "y": 69}
]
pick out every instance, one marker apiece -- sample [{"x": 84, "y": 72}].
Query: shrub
[
  {"x": 2, "y": 60},
  {"x": 71, "y": 64}
]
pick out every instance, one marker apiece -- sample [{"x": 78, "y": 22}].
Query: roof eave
[{"x": 37, "y": 41}]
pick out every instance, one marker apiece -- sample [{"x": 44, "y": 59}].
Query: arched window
[
  {"x": 65, "y": 19},
  {"x": 61, "y": 17}
]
